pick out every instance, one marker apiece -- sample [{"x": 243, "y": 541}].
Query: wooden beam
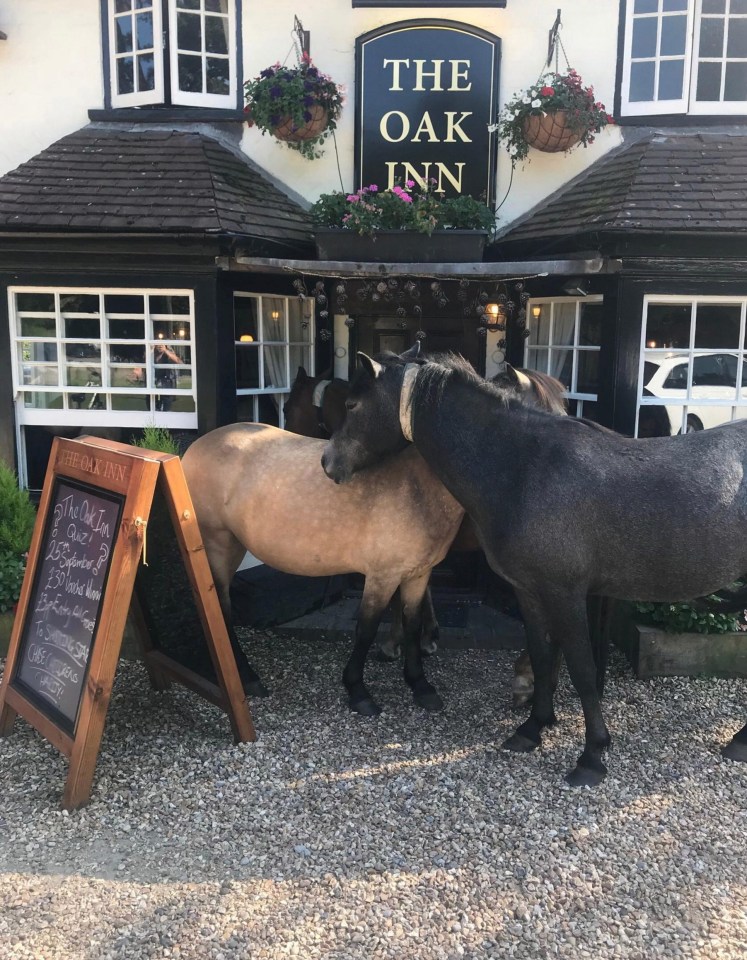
[{"x": 467, "y": 271}]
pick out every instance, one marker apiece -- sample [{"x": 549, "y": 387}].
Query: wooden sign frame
[{"x": 129, "y": 476}]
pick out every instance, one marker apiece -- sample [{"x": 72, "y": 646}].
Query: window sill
[
  {"x": 680, "y": 120},
  {"x": 167, "y": 115}
]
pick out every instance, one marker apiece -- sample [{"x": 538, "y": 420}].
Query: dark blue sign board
[{"x": 426, "y": 92}]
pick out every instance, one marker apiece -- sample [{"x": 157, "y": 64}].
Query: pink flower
[
  {"x": 548, "y": 91},
  {"x": 409, "y": 184},
  {"x": 352, "y": 198},
  {"x": 373, "y": 188}
]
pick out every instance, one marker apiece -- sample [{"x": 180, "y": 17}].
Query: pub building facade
[{"x": 138, "y": 210}]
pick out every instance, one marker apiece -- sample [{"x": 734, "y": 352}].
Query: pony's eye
[{"x": 351, "y": 405}]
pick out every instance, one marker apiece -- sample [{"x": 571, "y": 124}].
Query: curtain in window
[{"x": 563, "y": 327}]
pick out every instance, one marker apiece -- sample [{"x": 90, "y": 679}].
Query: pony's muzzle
[{"x": 333, "y": 470}]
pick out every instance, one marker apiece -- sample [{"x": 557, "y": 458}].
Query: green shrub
[
  {"x": 158, "y": 438},
  {"x": 12, "y": 568},
  {"x": 17, "y": 514},
  {"x": 683, "y": 618},
  {"x": 17, "y": 518}
]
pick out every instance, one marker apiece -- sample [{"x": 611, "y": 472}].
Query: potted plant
[
  {"x": 677, "y": 639},
  {"x": 410, "y": 222},
  {"x": 298, "y": 105},
  {"x": 555, "y": 114},
  {"x": 17, "y": 517}
]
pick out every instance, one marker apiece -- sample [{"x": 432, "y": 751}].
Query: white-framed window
[
  {"x": 685, "y": 56},
  {"x": 274, "y": 336},
  {"x": 173, "y": 51},
  {"x": 103, "y": 356},
  {"x": 565, "y": 335},
  {"x": 693, "y": 370}
]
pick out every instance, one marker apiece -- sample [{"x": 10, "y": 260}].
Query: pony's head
[{"x": 372, "y": 427}]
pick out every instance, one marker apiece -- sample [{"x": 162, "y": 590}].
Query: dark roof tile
[{"x": 109, "y": 179}]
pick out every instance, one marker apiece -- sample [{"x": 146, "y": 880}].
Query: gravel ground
[{"x": 410, "y": 836}]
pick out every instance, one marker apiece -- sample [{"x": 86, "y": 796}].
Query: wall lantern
[
  {"x": 536, "y": 311},
  {"x": 246, "y": 338},
  {"x": 275, "y": 315}
]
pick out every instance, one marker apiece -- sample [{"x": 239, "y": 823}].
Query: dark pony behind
[{"x": 563, "y": 508}]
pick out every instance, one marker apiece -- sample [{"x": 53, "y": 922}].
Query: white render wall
[{"x": 51, "y": 75}]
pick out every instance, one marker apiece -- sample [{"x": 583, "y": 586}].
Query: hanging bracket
[
  {"x": 303, "y": 37},
  {"x": 552, "y": 39}
]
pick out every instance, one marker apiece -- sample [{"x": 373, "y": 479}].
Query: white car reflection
[{"x": 714, "y": 377}]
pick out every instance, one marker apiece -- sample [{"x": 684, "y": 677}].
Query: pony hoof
[
  {"x": 428, "y": 647},
  {"x": 585, "y": 777},
  {"x": 521, "y": 701},
  {"x": 255, "y": 688},
  {"x": 365, "y": 707},
  {"x": 388, "y": 655},
  {"x": 520, "y": 744},
  {"x": 429, "y": 701},
  {"x": 735, "y": 750}
]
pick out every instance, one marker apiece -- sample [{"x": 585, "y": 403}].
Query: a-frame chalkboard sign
[{"x": 99, "y": 501}]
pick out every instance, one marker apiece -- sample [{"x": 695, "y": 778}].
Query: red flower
[{"x": 548, "y": 91}]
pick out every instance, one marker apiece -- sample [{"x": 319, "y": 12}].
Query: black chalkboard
[{"x": 68, "y": 587}]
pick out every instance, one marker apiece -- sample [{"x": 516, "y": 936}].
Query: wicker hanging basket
[
  {"x": 286, "y": 130},
  {"x": 548, "y": 132}
]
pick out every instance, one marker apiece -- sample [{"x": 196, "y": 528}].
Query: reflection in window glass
[
  {"x": 686, "y": 387},
  {"x": 564, "y": 340},
  {"x": 273, "y": 337}
]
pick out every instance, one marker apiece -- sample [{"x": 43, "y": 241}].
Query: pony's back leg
[
  {"x": 543, "y": 656},
  {"x": 736, "y": 748},
  {"x": 376, "y": 595}
]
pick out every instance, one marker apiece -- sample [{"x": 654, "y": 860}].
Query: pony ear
[
  {"x": 412, "y": 353},
  {"x": 373, "y": 367},
  {"x": 518, "y": 378},
  {"x": 301, "y": 375}
]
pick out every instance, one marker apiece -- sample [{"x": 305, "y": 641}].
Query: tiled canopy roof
[
  {"x": 662, "y": 184},
  {"x": 105, "y": 179}
]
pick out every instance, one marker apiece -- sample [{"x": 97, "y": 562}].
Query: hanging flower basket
[
  {"x": 290, "y": 132},
  {"x": 298, "y": 105},
  {"x": 554, "y": 115},
  {"x": 550, "y": 133}
]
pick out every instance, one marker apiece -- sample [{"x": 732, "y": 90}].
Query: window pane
[
  {"x": 216, "y": 34},
  {"x": 81, "y": 327},
  {"x": 715, "y": 370},
  {"x": 124, "y": 303},
  {"x": 247, "y": 367},
  {"x": 738, "y": 6},
  {"x": 299, "y": 357},
  {"x": 83, "y": 351},
  {"x": 35, "y": 301},
  {"x": 190, "y": 74},
  {"x": 79, "y": 303},
  {"x": 670, "y": 5},
  {"x": 717, "y": 326},
  {"x": 646, "y": 6},
  {"x": 127, "y": 329},
  {"x": 735, "y": 85},
  {"x": 299, "y": 319},
  {"x": 188, "y": 4},
  {"x": 644, "y": 37},
  {"x": 668, "y": 326},
  {"x": 590, "y": 330},
  {"x": 146, "y": 76},
  {"x": 218, "y": 80},
  {"x": 673, "y": 36},
  {"x": 171, "y": 329},
  {"x": 588, "y": 371},
  {"x": 37, "y": 326},
  {"x": 161, "y": 304},
  {"x": 125, "y": 75},
  {"x": 709, "y": 81},
  {"x": 122, "y": 6},
  {"x": 43, "y": 401},
  {"x": 276, "y": 374},
  {"x": 245, "y": 319},
  {"x": 641, "y": 81},
  {"x": 144, "y": 25},
  {"x": 36, "y": 352},
  {"x": 189, "y": 36},
  {"x": 539, "y": 328},
  {"x": 220, "y": 6},
  {"x": 711, "y": 37},
  {"x": 123, "y": 34},
  {"x": 714, "y": 6},
  {"x": 537, "y": 359},
  {"x": 671, "y": 76},
  {"x": 737, "y": 43}
]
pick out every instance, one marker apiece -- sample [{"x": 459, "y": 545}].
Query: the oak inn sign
[{"x": 426, "y": 92}]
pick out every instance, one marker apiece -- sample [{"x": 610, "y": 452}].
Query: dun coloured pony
[
  {"x": 563, "y": 508},
  {"x": 316, "y": 408}
]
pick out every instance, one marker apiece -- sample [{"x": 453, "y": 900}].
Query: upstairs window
[
  {"x": 180, "y": 52},
  {"x": 685, "y": 57}
]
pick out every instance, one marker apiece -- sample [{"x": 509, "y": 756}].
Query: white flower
[
  {"x": 513, "y": 149},
  {"x": 517, "y": 113},
  {"x": 492, "y": 127},
  {"x": 536, "y": 103},
  {"x": 526, "y": 100}
]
